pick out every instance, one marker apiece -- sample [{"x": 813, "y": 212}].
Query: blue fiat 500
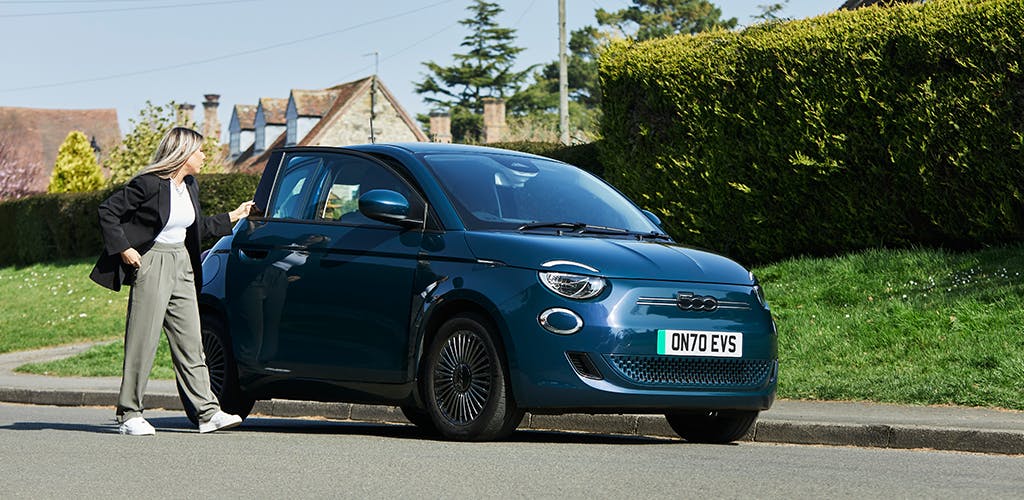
[{"x": 468, "y": 285}]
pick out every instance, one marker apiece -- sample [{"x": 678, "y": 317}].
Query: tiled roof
[
  {"x": 246, "y": 114},
  {"x": 329, "y": 104},
  {"x": 313, "y": 102},
  {"x": 36, "y": 134},
  {"x": 274, "y": 110},
  {"x": 349, "y": 93}
]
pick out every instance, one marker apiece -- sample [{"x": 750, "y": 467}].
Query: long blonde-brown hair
[{"x": 174, "y": 150}]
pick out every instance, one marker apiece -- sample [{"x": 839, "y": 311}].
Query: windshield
[{"x": 497, "y": 191}]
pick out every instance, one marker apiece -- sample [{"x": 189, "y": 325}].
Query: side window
[
  {"x": 348, "y": 178},
  {"x": 294, "y": 195}
]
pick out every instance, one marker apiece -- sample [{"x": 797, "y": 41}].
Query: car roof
[{"x": 420, "y": 148}]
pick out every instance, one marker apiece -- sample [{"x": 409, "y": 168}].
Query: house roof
[
  {"x": 274, "y": 110},
  {"x": 313, "y": 102},
  {"x": 344, "y": 95},
  {"x": 36, "y": 134},
  {"x": 246, "y": 114},
  {"x": 350, "y": 93}
]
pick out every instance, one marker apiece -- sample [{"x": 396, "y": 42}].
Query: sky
[{"x": 91, "y": 54}]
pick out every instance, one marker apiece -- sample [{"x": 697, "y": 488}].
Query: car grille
[{"x": 670, "y": 370}]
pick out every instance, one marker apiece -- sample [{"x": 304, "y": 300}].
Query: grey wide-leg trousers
[{"x": 164, "y": 295}]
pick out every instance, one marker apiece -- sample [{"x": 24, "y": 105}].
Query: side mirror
[
  {"x": 654, "y": 218},
  {"x": 387, "y": 206}
]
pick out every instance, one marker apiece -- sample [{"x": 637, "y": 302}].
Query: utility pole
[
  {"x": 373, "y": 93},
  {"x": 563, "y": 78}
]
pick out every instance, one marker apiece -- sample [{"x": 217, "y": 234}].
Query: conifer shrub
[{"x": 76, "y": 168}]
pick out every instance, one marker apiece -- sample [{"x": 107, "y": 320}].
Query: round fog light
[{"x": 561, "y": 321}]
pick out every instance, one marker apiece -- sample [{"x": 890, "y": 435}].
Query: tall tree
[
  {"x": 485, "y": 70},
  {"x": 647, "y": 19},
  {"x": 643, "y": 20},
  {"x": 770, "y": 12},
  {"x": 76, "y": 169},
  {"x": 541, "y": 97}
]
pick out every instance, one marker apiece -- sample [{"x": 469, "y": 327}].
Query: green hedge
[
  {"x": 876, "y": 127},
  {"x": 65, "y": 225}
]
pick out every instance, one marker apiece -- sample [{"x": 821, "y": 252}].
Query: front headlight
[
  {"x": 759, "y": 292},
  {"x": 573, "y": 286}
]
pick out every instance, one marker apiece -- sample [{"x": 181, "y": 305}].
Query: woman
[{"x": 152, "y": 228}]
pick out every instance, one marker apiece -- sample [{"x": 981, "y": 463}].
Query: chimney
[
  {"x": 494, "y": 120},
  {"x": 440, "y": 127},
  {"x": 211, "y": 125},
  {"x": 185, "y": 117}
]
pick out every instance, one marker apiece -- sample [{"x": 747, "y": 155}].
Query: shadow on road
[
  {"x": 60, "y": 426},
  {"x": 328, "y": 427},
  {"x": 406, "y": 431}
]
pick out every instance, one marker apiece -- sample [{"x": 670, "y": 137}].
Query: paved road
[{"x": 56, "y": 451}]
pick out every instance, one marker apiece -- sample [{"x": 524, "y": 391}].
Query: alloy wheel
[{"x": 462, "y": 378}]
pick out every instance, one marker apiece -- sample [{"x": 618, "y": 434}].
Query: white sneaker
[
  {"x": 220, "y": 420},
  {"x": 136, "y": 426}
]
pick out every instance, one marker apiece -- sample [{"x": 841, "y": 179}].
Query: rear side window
[{"x": 293, "y": 194}]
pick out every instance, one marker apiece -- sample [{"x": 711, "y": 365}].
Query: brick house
[{"x": 337, "y": 116}]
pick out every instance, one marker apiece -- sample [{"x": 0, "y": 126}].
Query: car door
[{"x": 317, "y": 289}]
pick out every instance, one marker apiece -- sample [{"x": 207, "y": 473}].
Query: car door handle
[{"x": 253, "y": 253}]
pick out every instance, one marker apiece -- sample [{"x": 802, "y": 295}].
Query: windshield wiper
[
  {"x": 653, "y": 235},
  {"x": 573, "y": 227}
]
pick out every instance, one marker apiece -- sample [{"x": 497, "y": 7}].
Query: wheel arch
[{"x": 451, "y": 305}]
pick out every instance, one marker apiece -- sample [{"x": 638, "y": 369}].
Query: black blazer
[{"x": 134, "y": 215}]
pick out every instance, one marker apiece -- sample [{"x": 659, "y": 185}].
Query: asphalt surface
[
  {"x": 59, "y": 451},
  {"x": 795, "y": 422}
]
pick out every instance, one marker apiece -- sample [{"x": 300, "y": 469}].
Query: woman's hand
[
  {"x": 131, "y": 257},
  {"x": 241, "y": 211}
]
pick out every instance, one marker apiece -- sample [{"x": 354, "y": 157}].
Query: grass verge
[
  {"x": 56, "y": 303},
  {"x": 910, "y": 326},
  {"x": 900, "y": 326}
]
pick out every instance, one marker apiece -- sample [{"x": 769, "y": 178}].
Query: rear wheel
[
  {"x": 712, "y": 426},
  {"x": 465, "y": 386},
  {"x": 220, "y": 361}
]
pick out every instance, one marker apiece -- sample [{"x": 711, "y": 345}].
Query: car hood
[{"x": 608, "y": 257}]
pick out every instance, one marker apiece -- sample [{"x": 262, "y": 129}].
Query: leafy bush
[
  {"x": 877, "y": 127},
  {"x": 137, "y": 148},
  {"x": 56, "y": 226}
]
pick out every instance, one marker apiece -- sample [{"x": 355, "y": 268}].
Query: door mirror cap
[{"x": 387, "y": 206}]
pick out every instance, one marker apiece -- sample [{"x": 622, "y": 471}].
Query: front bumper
[{"x": 612, "y": 365}]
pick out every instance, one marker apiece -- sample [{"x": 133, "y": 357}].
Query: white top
[{"x": 182, "y": 215}]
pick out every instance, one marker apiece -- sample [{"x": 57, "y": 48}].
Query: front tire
[
  {"x": 220, "y": 360},
  {"x": 716, "y": 427},
  {"x": 466, "y": 387},
  {"x": 420, "y": 418}
]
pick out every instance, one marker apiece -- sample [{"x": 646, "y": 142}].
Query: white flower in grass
[{"x": 82, "y": 315}]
